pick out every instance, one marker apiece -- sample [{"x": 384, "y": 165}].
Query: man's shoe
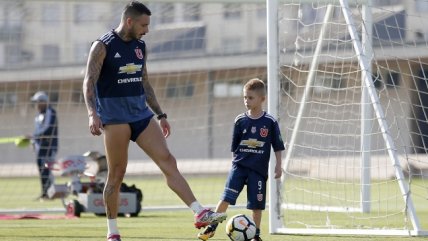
[
  {"x": 114, "y": 237},
  {"x": 207, "y": 217},
  {"x": 206, "y": 234},
  {"x": 257, "y": 238}
]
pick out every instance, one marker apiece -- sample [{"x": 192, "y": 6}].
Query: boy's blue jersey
[
  {"x": 253, "y": 139},
  {"x": 120, "y": 92}
]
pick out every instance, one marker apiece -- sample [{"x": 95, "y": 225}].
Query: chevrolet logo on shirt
[
  {"x": 252, "y": 143},
  {"x": 130, "y": 68}
]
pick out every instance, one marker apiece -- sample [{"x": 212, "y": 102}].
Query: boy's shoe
[
  {"x": 207, "y": 233},
  {"x": 257, "y": 238},
  {"x": 114, "y": 237},
  {"x": 207, "y": 217}
]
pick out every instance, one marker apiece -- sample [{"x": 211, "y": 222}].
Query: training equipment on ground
[
  {"x": 89, "y": 195},
  {"x": 240, "y": 227}
]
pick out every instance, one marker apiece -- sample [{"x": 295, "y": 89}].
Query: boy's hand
[{"x": 278, "y": 171}]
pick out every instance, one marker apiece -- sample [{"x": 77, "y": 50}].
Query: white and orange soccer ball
[{"x": 240, "y": 228}]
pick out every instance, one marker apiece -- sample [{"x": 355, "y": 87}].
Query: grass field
[{"x": 150, "y": 225}]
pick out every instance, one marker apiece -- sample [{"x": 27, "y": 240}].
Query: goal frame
[{"x": 369, "y": 102}]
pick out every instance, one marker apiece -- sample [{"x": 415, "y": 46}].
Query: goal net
[{"x": 353, "y": 109}]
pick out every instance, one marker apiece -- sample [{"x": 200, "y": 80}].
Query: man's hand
[
  {"x": 95, "y": 125},
  {"x": 165, "y": 127}
]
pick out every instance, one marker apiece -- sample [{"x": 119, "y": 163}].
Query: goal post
[{"x": 313, "y": 69}]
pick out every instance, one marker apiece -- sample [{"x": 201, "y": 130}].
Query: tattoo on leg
[{"x": 108, "y": 191}]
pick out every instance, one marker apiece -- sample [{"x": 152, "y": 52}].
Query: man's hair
[
  {"x": 135, "y": 9},
  {"x": 256, "y": 85}
]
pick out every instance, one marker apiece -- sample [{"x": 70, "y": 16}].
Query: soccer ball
[{"x": 240, "y": 228}]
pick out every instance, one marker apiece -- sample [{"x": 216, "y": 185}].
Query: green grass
[{"x": 151, "y": 225}]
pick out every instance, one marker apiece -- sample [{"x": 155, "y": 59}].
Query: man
[
  {"x": 120, "y": 102},
  {"x": 44, "y": 139}
]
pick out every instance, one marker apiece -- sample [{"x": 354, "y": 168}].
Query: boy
[{"x": 254, "y": 133}]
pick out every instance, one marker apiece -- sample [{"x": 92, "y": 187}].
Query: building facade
[{"x": 199, "y": 56}]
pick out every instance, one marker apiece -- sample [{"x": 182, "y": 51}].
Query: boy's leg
[
  {"x": 152, "y": 141},
  {"x": 222, "y": 206},
  {"x": 234, "y": 184},
  {"x": 256, "y": 194},
  {"x": 257, "y": 217},
  {"x": 116, "y": 141}
]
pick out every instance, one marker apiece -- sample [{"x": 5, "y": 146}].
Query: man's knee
[{"x": 116, "y": 174}]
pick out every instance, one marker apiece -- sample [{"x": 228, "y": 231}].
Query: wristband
[{"x": 163, "y": 115}]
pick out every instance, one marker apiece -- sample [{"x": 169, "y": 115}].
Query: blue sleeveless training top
[{"x": 119, "y": 89}]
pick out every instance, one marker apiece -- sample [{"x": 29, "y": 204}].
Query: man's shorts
[
  {"x": 138, "y": 127},
  {"x": 240, "y": 176}
]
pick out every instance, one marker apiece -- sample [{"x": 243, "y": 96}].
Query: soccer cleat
[
  {"x": 257, "y": 238},
  {"x": 207, "y": 217},
  {"x": 206, "y": 234},
  {"x": 114, "y": 237}
]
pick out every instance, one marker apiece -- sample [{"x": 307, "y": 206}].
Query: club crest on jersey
[
  {"x": 264, "y": 132},
  {"x": 253, "y": 129},
  {"x": 259, "y": 197},
  {"x": 139, "y": 53}
]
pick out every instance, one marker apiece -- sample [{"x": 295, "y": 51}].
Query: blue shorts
[
  {"x": 240, "y": 176},
  {"x": 137, "y": 127}
]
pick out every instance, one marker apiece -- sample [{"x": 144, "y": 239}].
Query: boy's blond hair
[{"x": 256, "y": 85}]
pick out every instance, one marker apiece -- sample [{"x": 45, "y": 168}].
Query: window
[
  {"x": 77, "y": 95},
  {"x": 377, "y": 80},
  {"x": 392, "y": 79},
  {"x": 325, "y": 84},
  {"x": 51, "y": 14},
  {"x": 307, "y": 13},
  {"x": 81, "y": 51},
  {"x": 50, "y": 53},
  {"x": 180, "y": 90},
  {"x": 12, "y": 15},
  {"x": 261, "y": 11},
  {"x": 13, "y": 54},
  {"x": 261, "y": 44},
  {"x": 192, "y": 12},
  {"x": 167, "y": 13},
  {"x": 82, "y": 13},
  {"x": 385, "y": 2},
  {"x": 53, "y": 96},
  {"x": 232, "y": 11},
  {"x": 8, "y": 99},
  {"x": 232, "y": 45},
  {"x": 225, "y": 89}
]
